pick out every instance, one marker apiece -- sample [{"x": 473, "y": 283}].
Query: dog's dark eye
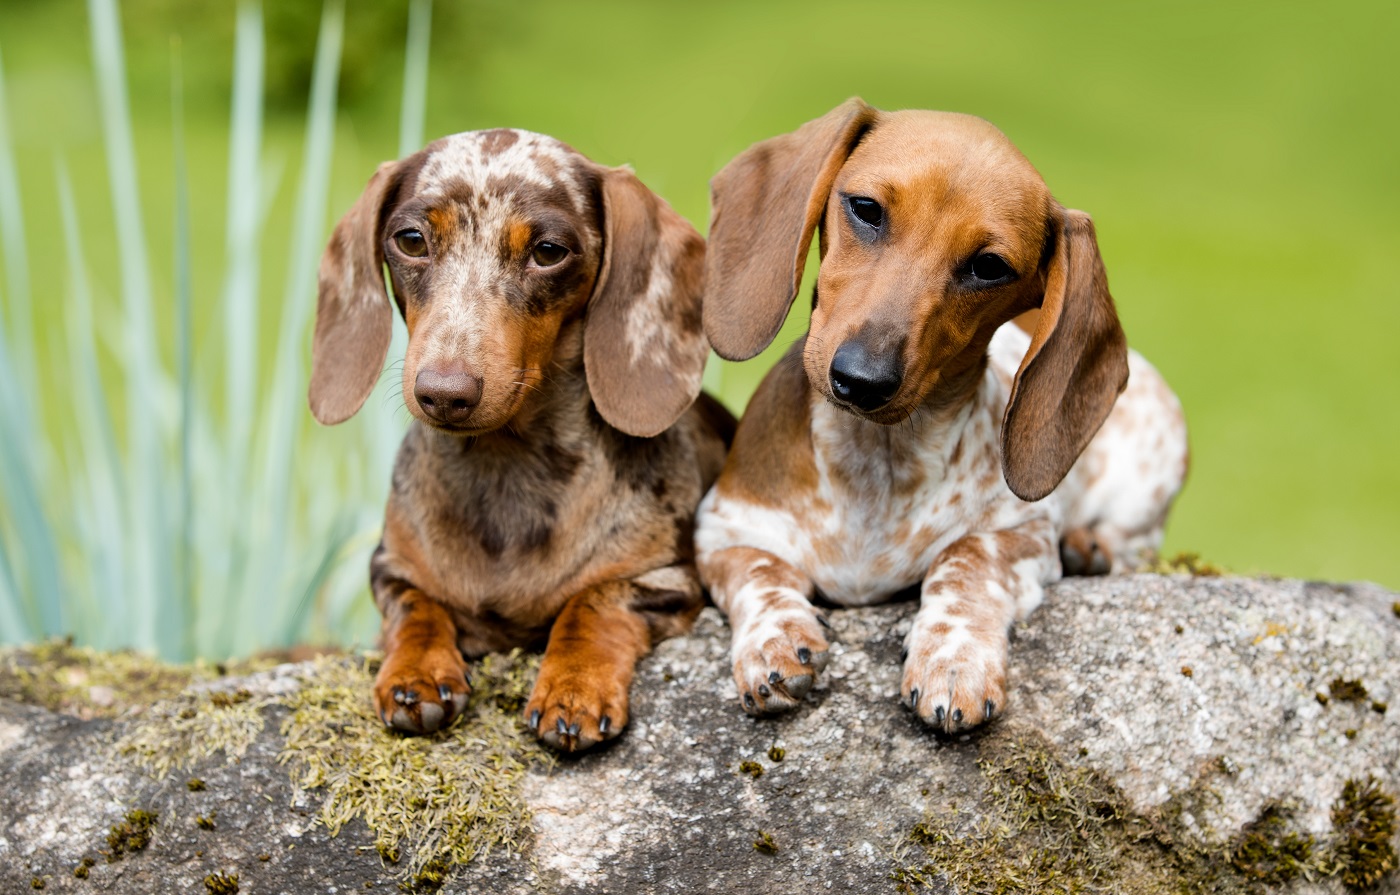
[
  {"x": 548, "y": 254},
  {"x": 411, "y": 243},
  {"x": 990, "y": 267},
  {"x": 867, "y": 211}
]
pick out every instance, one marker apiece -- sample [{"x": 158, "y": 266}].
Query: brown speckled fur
[{"x": 559, "y": 511}]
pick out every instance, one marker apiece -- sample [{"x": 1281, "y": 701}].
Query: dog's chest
[
  {"x": 512, "y": 534},
  {"x": 890, "y": 499}
]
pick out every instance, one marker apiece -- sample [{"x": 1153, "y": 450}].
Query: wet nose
[
  {"x": 863, "y": 380},
  {"x": 447, "y": 396}
]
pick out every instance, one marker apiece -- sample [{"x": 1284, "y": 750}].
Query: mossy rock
[{"x": 1111, "y": 772}]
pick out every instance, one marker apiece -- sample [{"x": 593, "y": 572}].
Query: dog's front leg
[
  {"x": 422, "y": 684},
  {"x": 581, "y": 694},
  {"x": 779, "y": 647},
  {"x": 956, "y": 650}
]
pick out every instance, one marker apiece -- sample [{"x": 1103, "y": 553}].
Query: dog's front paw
[
  {"x": 421, "y": 692},
  {"x": 574, "y": 707},
  {"x": 777, "y": 659},
  {"x": 955, "y": 682}
]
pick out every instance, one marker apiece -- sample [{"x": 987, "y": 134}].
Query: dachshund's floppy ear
[
  {"x": 1073, "y": 371},
  {"x": 354, "y": 319},
  {"x": 765, "y": 205},
  {"x": 644, "y": 348}
]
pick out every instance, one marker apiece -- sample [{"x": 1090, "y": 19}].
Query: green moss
[
  {"x": 433, "y": 801},
  {"x": 752, "y": 768},
  {"x": 1267, "y": 851},
  {"x": 219, "y": 883},
  {"x": 194, "y": 784},
  {"x": 1364, "y": 820},
  {"x": 85, "y": 682},
  {"x": 764, "y": 844},
  {"x": 132, "y": 835},
  {"x": 1184, "y": 563},
  {"x": 37, "y": 883},
  {"x": 776, "y": 753},
  {"x": 1348, "y": 691},
  {"x": 193, "y": 726},
  {"x": 431, "y": 878},
  {"x": 83, "y": 868},
  {"x": 1047, "y": 827},
  {"x": 205, "y": 822}
]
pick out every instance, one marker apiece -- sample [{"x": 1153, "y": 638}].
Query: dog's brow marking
[{"x": 533, "y": 158}]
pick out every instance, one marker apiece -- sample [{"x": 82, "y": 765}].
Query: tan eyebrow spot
[
  {"x": 517, "y": 237},
  {"x": 444, "y": 224}
]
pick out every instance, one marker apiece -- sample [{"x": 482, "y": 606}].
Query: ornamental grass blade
[
  {"x": 177, "y": 623},
  {"x": 30, "y": 572},
  {"x": 99, "y": 504},
  {"x": 148, "y": 535},
  {"x": 285, "y": 405}
]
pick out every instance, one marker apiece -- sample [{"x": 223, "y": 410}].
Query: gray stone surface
[{"x": 1099, "y": 669}]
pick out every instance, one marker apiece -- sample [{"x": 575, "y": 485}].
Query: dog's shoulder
[{"x": 772, "y": 458}]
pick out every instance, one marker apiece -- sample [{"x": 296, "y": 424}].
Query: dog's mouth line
[{"x": 884, "y": 415}]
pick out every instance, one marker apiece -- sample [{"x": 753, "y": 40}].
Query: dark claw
[
  {"x": 574, "y": 729},
  {"x": 535, "y": 720},
  {"x": 561, "y": 727},
  {"x": 938, "y": 716},
  {"x": 804, "y": 655},
  {"x": 914, "y": 699},
  {"x": 988, "y": 708},
  {"x": 903, "y": 655},
  {"x": 798, "y": 685},
  {"x": 603, "y": 724},
  {"x": 764, "y": 691},
  {"x": 444, "y": 693},
  {"x": 468, "y": 678},
  {"x": 821, "y": 620},
  {"x": 957, "y": 716},
  {"x": 748, "y": 700},
  {"x": 774, "y": 677}
]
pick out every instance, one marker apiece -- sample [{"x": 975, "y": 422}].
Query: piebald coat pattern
[
  {"x": 540, "y": 496},
  {"x": 821, "y": 499}
]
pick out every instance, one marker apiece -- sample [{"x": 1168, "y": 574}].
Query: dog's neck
[{"x": 921, "y": 443}]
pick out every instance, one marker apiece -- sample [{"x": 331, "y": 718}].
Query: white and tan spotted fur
[{"x": 824, "y": 501}]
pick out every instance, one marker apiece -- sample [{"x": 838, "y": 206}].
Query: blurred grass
[{"x": 1239, "y": 161}]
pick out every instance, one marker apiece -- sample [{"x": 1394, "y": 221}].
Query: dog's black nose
[
  {"x": 862, "y": 380},
  {"x": 447, "y": 396}
]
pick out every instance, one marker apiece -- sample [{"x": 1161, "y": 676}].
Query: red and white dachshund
[{"x": 916, "y": 435}]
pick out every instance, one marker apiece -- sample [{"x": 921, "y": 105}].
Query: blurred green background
[{"x": 1240, "y": 162}]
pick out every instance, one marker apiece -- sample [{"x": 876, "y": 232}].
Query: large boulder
[{"x": 1166, "y": 734}]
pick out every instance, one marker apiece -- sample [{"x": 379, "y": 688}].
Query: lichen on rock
[
  {"x": 176, "y": 733},
  {"x": 431, "y": 802}
]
